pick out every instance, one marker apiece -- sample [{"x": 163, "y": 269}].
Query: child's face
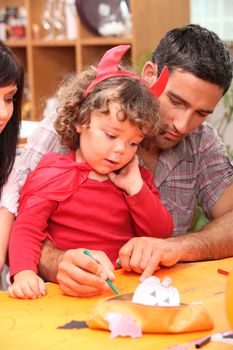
[
  {"x": 108, "y": 144},
  {"x": 6, "y": 104}
]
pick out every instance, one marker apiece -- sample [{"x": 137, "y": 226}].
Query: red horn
[
  {"x": 110, "y": 60},
  {"x": 108, "y": 68},
  {"x": 159, "y": 85}
]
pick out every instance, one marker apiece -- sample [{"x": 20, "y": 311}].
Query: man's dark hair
[{"x": 197, "y": 50}]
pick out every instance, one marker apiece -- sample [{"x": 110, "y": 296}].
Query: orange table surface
[{"x": 32, "y": 324}]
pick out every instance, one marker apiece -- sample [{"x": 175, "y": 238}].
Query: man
[{"x": 187, "y": 159}]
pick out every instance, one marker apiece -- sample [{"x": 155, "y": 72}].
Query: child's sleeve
[
  {"x": 150, "y": 216},
  {"x": 54, "y": 180},
  {"x": 28, "y": 234}
]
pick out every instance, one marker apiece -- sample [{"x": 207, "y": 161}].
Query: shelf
[
  {"x": 17, "y": 43},
  {"x": 98, "y": 41},
  {"x": 40, "y": 43},
  {"x": 47, "y": 62},
  {"x": 53, "y": 43}
]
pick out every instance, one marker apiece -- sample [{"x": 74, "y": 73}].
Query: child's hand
[
  {"x": 129, "y": 178},
  {"x": 27, "y": 285}
]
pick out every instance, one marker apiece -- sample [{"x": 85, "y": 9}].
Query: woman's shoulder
[{"x": 53, "y": 158}]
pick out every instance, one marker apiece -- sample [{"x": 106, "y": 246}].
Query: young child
[{"x": 97, "y": 197}]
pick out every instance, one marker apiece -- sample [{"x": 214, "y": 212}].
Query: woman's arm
[{"x": 6, "y": 219}]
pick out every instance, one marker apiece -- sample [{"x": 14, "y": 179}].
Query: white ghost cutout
[{"x": 155, "y": 293}]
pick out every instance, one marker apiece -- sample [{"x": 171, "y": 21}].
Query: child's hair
[
  {"x": 138, "y": 104},
  {"x": 11, "y": 72}
]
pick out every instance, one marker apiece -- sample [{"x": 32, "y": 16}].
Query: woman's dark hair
[
  {"x": 11, "y": 73},
  {"x": 197, "y": 50}
]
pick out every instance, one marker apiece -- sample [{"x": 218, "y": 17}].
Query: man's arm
[
  {"x": 49, "y": 261},
  {"x": 145, "y": 254},
  {"x": 77, "y": 274},
  {"x": 214, "y": 241},
  {"x": 224, "y": 204}
]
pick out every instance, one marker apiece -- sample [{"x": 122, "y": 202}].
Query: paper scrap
[
  {"x": 225, "y": 337},
  {"x": 123, "y": 325},
  {"x": 74, "y": 324}
]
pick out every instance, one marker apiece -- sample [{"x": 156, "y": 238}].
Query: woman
[{"x": 11, "y": 89}]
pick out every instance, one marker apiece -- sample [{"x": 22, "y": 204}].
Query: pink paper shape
[{"x": 123, "y": 326}]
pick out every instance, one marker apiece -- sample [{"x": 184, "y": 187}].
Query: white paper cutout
[
  {"x": 225, "y": 337},
  {"x": 155, "y": 293}
]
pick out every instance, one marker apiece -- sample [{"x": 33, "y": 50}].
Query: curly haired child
[{"x": 97, "y": 197}]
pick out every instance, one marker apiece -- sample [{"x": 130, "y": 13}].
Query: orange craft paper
[
  {"x": 153, "y": 319},
  {"x": 32, "y": 324}
]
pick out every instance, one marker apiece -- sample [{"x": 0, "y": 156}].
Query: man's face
[{"x": 184, "y": 105}]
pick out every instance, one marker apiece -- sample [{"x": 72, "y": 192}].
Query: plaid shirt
[{"x": 197, "y": 169}]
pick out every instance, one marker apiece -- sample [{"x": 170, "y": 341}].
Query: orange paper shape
[{"x": 152, "y": 319}]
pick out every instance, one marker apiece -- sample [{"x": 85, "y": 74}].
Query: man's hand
[
  {"x": 79, "y": 275},
  {"x": 145, "y": 254}
]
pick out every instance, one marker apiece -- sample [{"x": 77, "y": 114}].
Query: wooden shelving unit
[{"x": 46, "y": 62}]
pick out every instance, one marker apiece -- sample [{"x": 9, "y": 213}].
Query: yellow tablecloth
[{"x": 32, "y": 324}]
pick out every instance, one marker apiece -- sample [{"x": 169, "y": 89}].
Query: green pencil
[{"x": 107, "y": 280}]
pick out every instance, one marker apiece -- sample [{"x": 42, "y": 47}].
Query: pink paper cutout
[{"x": 123, "y": 325}]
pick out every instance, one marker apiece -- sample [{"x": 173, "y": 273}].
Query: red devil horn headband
[{"x": 108, "y": 68}]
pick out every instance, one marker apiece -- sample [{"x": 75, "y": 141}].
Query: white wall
[
  {"x": 217, "y": 16},
  {"x": 215, "y": 120}
]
